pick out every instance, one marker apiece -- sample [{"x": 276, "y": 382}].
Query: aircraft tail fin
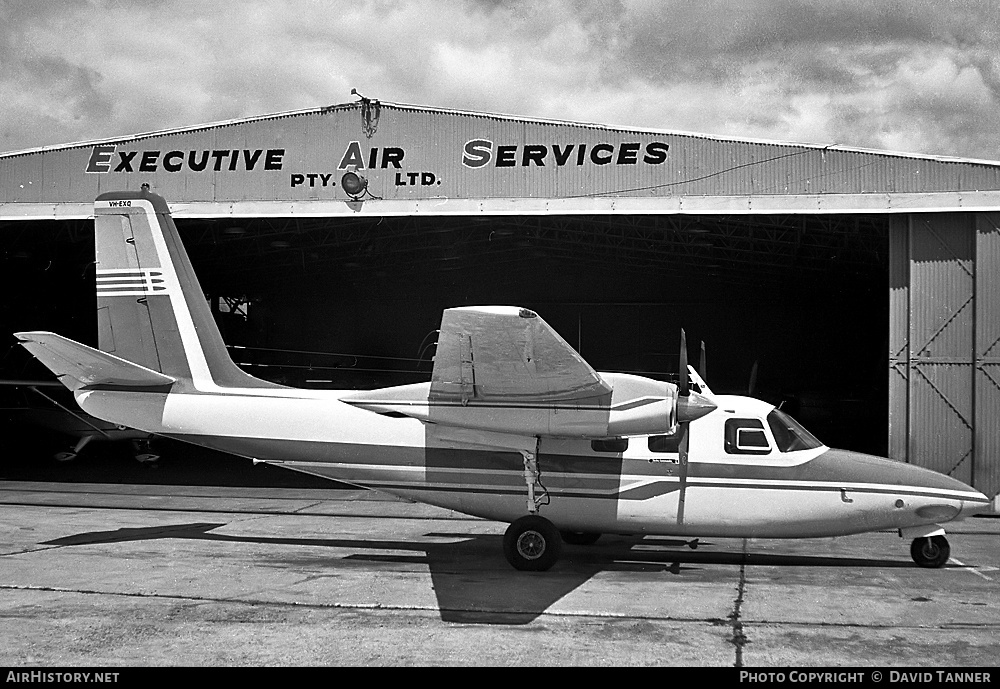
[
  {"x": 79, "y": 366},
  {"x": 151, "y": 308}
]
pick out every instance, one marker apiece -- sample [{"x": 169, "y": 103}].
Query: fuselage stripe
[{"x": 630, "y": 483}]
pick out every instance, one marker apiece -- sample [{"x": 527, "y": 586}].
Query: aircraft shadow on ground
[{"x": 472, "y": 581}]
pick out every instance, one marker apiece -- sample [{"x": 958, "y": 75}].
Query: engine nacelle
[{"x": 636, "y": 406}]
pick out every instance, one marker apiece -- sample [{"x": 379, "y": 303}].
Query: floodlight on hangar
[{"x": 354, "y": 184}]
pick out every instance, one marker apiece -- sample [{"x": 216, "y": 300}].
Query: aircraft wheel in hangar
[
  {"x": 532, "y": 544},
  {"x": 930, "y": 552},
  {"x": 579, "y": 537}
]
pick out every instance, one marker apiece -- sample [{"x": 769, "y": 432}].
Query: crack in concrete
[
  {"x": 374, "y": 606},
  {"x": 28, "y": 551},
  {"x": 733, "y": 620},
  {"x": 453, "y": 516},
  {"x": 739, "y": 639}
]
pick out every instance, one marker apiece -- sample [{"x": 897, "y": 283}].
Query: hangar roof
[{"x": 432, "y": 161}]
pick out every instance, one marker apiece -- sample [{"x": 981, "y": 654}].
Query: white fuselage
[{"x": 765, "y": 492}]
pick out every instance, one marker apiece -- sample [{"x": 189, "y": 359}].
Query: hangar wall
[
  {"x": 944, "y": 344},
  {"x": 943, "y": 331},
  {"x": 422, "y": 160}
]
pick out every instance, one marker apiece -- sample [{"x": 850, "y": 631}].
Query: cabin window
[
  {"x": 609, "y": 444},
  {"x": 746, "y": 437},
  {"x": 665, "y": 443}
]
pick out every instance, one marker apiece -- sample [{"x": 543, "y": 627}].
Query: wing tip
[
  {"x": 33, "y": 336},
  {"x": 497, "y": 310}
]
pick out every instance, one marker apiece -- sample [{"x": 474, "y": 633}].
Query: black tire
[
  {"x": 532, "y": 544},
  {"x": 930, "y": 552},
  {"x": 579, "y": 537}
]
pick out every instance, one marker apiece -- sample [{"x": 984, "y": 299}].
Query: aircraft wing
[
  {"x": 77, "y": 365},
  {"x": 504, "y": 371},
  {"x": 504, "y": 353}
]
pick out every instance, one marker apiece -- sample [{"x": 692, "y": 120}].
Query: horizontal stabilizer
[{"x": 78, "y": 366}]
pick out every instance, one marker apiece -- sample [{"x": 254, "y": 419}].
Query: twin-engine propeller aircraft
[{"x": 514, "y": 425}]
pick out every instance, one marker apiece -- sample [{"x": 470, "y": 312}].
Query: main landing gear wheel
[
  {"x": 930, "y": 552},
  {"x": 532, "y": 544},
  {"x": 579, "y": 537}
]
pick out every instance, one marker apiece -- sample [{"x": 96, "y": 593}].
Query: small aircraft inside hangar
[{"x": 808, "y": 271}]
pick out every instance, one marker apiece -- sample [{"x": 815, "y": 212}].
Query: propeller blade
[
  {"x": 752, "y": 387},
  {"x": 684, "y": 403},
  {"x": 702, "y": 364},
  {"x": 682, "y": 456},
  {"x": 684, "y": 384}
]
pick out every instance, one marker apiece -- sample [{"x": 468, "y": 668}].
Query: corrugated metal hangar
[{"x": 330, "y": 240}]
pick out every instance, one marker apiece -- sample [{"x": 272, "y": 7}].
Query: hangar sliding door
[
  {"x": 987, "y": 381},
  {"x": 944, "y": 358}
]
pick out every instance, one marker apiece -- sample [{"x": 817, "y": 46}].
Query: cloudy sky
[{"x": 904, "y": 75}]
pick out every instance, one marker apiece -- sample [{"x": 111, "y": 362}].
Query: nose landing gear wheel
[
  {"x": 532, "y": 544},
  {"x": 930, "y": 552}
]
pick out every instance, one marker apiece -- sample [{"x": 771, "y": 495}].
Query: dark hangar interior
[{"x": 792, "y": 308}]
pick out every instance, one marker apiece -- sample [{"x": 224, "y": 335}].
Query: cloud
[{"x": 913, "y": 75}]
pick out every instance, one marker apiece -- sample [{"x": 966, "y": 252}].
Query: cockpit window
[
  {"x": 789, "y": 435},
  {"x": 746, "y": 437}
]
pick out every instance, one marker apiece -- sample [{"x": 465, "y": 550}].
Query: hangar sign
[
  {"x": 294, "y": 163},
  {"x": 480, "y": 152},
  {"x": 107, "y": 158}
]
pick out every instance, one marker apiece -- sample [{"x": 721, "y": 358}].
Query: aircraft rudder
[{"x": 151, "y": 307}]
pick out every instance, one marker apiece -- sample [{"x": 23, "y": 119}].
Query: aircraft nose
[
  {"x": 945, "y": 497},
  {"x": 977, "y": 504},
  {"x": 694, "y": 406},
  {"x": 958, "y": 500},
  {"x": 971, "y": 501}
]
